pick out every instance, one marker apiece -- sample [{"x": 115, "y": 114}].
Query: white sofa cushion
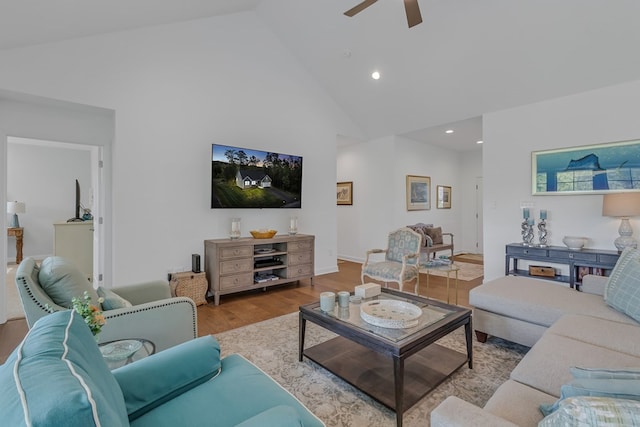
[
  {"x": 546, "y": 366},
  {"x": 537, "y": 301}
]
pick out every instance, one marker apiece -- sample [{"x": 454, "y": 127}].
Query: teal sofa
[{"x": 57, "y": 376}]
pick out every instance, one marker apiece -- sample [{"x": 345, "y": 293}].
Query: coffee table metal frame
[{"x": 366, "y": 342}]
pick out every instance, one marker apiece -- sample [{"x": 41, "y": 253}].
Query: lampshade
[
  {"x": 16, "y": 207},
  {"x": 621, "y": 205}
]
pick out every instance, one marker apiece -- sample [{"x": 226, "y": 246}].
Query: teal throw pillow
[
  {"x": 111, "y": 300},
  {"x": 594, "y": 411},
  {"x": 57, "y": 377},
  {"x": 606, "y": 373},
  {"x": 63, "y": 281},
  {"x": 623, "y": 287},
  {"x": 617, "y": 389}
]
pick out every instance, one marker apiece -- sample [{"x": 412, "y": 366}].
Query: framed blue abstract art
[{"x": 589, "y": 169}]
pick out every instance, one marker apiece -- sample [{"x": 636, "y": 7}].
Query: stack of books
[{"x": 265, "y": 277}]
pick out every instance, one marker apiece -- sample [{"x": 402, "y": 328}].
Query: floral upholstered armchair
[{"x": 400, "y": 263}]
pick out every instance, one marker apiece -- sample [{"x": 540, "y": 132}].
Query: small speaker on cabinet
[{"x": 195, "y": 263}]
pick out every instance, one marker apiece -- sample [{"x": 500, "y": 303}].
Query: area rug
[
  {"x": 470, "y": 257},
  {"x": 273, "y": 346},
  {"x": 467, "y": 271}
]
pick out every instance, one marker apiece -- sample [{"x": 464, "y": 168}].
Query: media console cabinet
[
  {"x": 601, "y": 259},
  {"x": 247, "y": 263}
]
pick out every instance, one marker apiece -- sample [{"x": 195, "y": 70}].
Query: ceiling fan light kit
[{"x": 411, "y": 8}]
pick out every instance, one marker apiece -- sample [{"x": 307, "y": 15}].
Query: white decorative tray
[
  {"x": 390, "y": 313},
  {"x": 120, "y": 350}
]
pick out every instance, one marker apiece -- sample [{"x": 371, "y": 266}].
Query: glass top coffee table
[{"x": 397, "y": 367}]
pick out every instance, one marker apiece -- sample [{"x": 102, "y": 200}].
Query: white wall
[
  {"x": 43, "y": 176},
  {"x": 378, "y": 170},
  {"x": 177, "y": 89},
  {"x": 599, "y": 116}
]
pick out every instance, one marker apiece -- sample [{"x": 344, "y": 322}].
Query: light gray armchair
[{"x": 153, "y": 315}]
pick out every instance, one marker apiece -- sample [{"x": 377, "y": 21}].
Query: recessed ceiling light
[
  {"x": 375, "y": 75},
  {"x": 479, "y": 142},
  {"x": 448, "y": 131}
]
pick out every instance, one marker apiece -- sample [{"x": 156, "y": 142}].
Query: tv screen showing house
[{"x": 247, "y": 178}]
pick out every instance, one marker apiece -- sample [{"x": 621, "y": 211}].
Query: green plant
[{"x": 91, "y": 313}]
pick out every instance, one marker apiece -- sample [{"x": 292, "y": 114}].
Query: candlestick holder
[
  {"x": 542, "y": 233},
  {"x": 527, "y": 232}
]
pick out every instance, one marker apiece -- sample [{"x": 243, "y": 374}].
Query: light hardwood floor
[{"x": 245, "y": 308}]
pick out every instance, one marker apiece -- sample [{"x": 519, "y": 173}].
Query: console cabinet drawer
[
  {"x": 236, "y": 252},
  {"x": 236, "y": 266},
  {"x": 305, "y": 270},
  {"x": 299, "y": 258},
  {"x": 236, "y": 281}
]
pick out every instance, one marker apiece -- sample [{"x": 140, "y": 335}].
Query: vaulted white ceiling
[{"x": 468, "y": 57}]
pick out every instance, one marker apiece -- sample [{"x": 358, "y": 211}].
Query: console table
[
  {"x": 591, "y": 258},
  {"x": 18, "y": 233},
  {"x": 247, "y": 263}
]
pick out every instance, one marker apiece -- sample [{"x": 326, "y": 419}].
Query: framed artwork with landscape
[
  {"x": 345, "y": 193},
  {"x": 418, "y": 193},
  {"x": 444, "y": 197},
  {"x": 589, "y": 169}
]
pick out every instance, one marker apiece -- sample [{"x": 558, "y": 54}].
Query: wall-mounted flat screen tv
[{"x": 247, "y": 178}]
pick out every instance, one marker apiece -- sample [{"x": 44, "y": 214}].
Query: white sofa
[{"x": 565, "y": 328}]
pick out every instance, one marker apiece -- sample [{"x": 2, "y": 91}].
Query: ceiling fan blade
[
  {"x": 360, "y": 7},
  {"x": 413, "y": 12}
]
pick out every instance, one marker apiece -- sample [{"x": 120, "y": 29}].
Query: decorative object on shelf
[
  {"x": 15, "y": 208},
  {"x": 293, "y": 225},
  {"x": 235, "y": 228},
  {"x": 86, "y": 216},
  {"x": 344, "y": 193},
  {"x": 623, "y": 206},
  {"x": 542, "y": 229},
  {"x": 586, "y": 169},
  {"x": 391, "y": 314},
  {"x": 418, "y": 193},
  {"x": 444, "y": 197},
  {"x": 263, "y": 234},
  {"x": 526, "y": 228},
  {"x": 575, "y": 243}
]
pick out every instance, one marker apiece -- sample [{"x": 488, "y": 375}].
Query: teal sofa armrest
[
  {"x": 140, "y": 293},
  {"x": 150, "y": 382},
  {"x": 278, "y": 416}
]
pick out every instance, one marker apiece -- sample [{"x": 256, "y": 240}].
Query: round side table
[{"x": 146, "y": 349}]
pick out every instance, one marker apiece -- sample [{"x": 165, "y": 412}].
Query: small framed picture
[
  {"x": 444, "y": 197},
  {"x": 344, "y": 193},
  {"x": 418, "y": 193}
]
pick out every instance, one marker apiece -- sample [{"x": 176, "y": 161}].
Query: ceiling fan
[{"x": 410, "y": 6}]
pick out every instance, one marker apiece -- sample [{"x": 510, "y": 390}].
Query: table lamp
[
  {"x": 15, "y": 208},
  {"x": 623, "y": 206}
]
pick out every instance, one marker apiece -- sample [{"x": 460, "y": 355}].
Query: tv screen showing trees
[{"x": 247, "y": 178}]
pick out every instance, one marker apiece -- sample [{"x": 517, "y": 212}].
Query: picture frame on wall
[
  {"x": 588, "y": 169},
  {"x": 344, "y": 193},
  {"x": 418, "y": 193},
  {"x": 444, "y": 197}
]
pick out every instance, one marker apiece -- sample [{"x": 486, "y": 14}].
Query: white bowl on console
[{"x": 574, "y": 242}]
